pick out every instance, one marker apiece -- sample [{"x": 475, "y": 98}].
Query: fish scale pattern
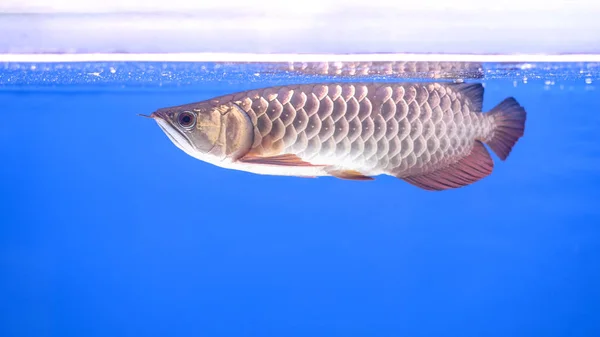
[{"x": 400, "y": 128}]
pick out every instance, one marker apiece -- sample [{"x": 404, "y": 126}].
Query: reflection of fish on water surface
[
  {"x": 430, "y": 135},
  {"x": 420, "y": 69}
]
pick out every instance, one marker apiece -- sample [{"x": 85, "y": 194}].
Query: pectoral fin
[{"x": 282, "y": 159}]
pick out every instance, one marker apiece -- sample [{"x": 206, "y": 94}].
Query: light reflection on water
[{"x": 178, "y": 74}]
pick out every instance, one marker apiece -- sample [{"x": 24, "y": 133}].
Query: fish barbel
[{"x": 430, "y": 135}]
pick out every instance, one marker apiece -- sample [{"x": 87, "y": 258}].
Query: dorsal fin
[{"x": 473, "y": 91}]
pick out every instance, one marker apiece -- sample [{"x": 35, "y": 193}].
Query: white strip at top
[
  {"x": 227, "y": 27},
  {"x": 285, "y": 58}
]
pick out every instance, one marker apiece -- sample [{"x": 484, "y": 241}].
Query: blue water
[{"x": 107, "y": 229}]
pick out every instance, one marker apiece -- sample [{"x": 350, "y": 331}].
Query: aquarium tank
[{"x": 314, "y": 168}]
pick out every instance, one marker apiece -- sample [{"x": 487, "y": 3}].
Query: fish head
[{"x": 207, "y": 131}]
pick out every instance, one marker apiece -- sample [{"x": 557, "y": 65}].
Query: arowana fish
[{"x": 430, "y": 135}]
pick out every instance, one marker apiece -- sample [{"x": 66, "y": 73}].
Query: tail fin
[{"x": 509, "y": 117}]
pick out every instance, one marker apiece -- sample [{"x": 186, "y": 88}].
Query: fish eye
[{"x": 186, "y": 119}]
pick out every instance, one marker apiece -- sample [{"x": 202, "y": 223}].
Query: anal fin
[
  {"x": 474, "y": 167},
  {"x": 348, "y": 174}
]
